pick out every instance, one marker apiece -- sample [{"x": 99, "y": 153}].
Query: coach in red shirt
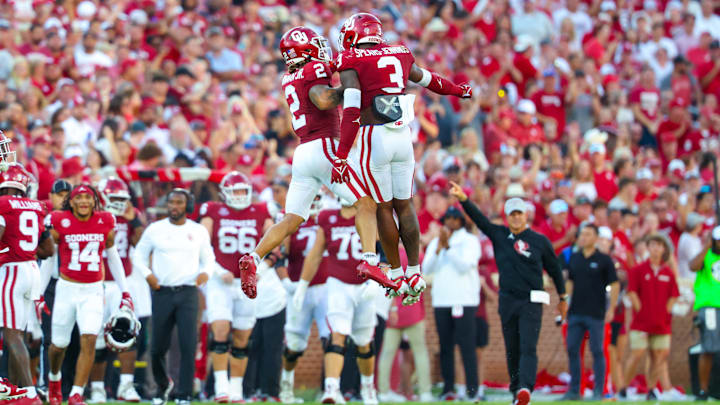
[{"x": 653, "y": 289}]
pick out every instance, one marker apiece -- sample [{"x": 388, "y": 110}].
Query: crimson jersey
[
  {"x": 235, "y": 232},
  {"x": 308, "y": 121},
  {"x": 82, "y": 244},
  {"x": 342, "y": 243},
  {"x": 382, "y": 69},
  {"x": 300, "y": 244},
  {"x": 123, "y": 232},
  {"x": 22, "y": 219}
]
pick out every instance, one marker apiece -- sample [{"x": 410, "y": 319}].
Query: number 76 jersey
[
  {"x": 235, "y": 232},
  {"x": 82, "y": 244}
]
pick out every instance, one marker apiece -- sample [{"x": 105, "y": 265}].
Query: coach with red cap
[{"x": 521, "y": 255}]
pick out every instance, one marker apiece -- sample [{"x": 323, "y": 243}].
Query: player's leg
[
  {"x": 98, "y": 395},
  {"x": 126, "y": 389},
  {"x": 16, "y": 281},
  {"x": 363, "y": 328},
  {"x": 242, "y": 326},
  {"x": 63, "y": 322},
  {"x": 339, "y": 319},
  {"x": 90, "y": 313},
  {"x": 297, "y": 331},
  {"x": 219, "y": 307}
]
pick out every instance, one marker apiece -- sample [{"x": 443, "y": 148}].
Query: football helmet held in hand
[{"x": 121, "y": 330}]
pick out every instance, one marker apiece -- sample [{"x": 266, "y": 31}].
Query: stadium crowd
[{"x": 592, "y": 111}]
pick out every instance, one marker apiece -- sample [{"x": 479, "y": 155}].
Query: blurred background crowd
[{"x": 591, "y": 110}]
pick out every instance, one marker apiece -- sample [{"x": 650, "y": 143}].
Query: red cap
[
  {"x": 667, "y": 136},
  {"x": 237, "y": 108},
  {"x": 147, "y": 103},
  {"x": 679, "y": 102},
  {"x": 70, "y": 167},
  {"x": 229, "y": 31},
  {"x": 79, "y": 100},
  {"x": 438, "y": 184},
  {"x": 245, "y": 160},
  {"x": 81, "y": 189},
  {"x": 610, "y": 79}
]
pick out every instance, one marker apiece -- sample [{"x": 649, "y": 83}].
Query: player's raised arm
[
  {"x": 325, "y": 97},
  {"x": 438, "y": 84}
]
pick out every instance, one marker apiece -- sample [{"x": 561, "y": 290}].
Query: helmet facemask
[{"x": 237, "y": 201}]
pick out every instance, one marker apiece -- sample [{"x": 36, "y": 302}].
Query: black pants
[
  {"x": 266, "y": 347},
  {"x": 460, "y": 331},
  {"x": 521, "y": 321},
  {"x": 174, "y": 307}
]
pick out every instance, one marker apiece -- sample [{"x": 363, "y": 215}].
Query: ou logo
[{"x": 299, "y": 36}]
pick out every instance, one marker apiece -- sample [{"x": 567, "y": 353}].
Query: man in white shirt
[
  {"x": 182, "y": 259},
  {"x": 582, "y": 22},
  {"x": 706, "y": 20},
  {"x": 452, "y": 259},
  {"x": 533, "y": 23},
  {"x": 690, "y": 244},
  {"x": 87, "y": 58}
]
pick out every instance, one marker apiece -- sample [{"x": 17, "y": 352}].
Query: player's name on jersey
[
  {"x": 85, "y": 237},
  {"x": 343, "y": 230},
  {"x": 390, "y": 50},
  {"x": 25, "y": 205},
  {"x": 240, "y": 223},
  {"x": 290, "y": 77}
]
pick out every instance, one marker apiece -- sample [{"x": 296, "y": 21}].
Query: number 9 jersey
[
  {"x": 22, "y": 219},
  {"x": 235, "y": 231},
  {"x": 82, "y": 244}
]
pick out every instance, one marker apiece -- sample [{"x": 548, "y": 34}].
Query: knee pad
[
  {"x": 239, "y": 352},
  {"x": 292, "y": 356},
  {"x": 101, "y": 355},
  {"x": 219, "y": 347},
  {"x": 333, "y": 348},
  {"x": 369, "y": 354}
]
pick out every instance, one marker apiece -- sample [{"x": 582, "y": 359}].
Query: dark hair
[
  {"x": 624, "y": 182},
  {"x": 593, "y": 227},
  {"x": 66, "y": 202},
  {"x": 599, "y": 203}
]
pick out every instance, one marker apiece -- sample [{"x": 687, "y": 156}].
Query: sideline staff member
[
  {"x": 181, "y": 259},
  {"x": 707, "y": 304},
  {"x": 521, "y": 254}
]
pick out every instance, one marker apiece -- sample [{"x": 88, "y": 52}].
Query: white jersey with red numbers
[
  {"x": 19, "y": 274},
  {"x": 350, "y": 312},
  {"x": 82, "y": 244},
  {"x": 385, "y": 151},
  {"x": 234, "y": 233},
  {"x": 318, "y": 131}
]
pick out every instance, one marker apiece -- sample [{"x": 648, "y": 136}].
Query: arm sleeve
[
  {"x": 428, "y": 264},
  {"x": 46, "y": 270},
  {"x": 350, "y": 121},
  {"x": 479, "y": 218},
  {"x": 141, "y": 258},
  {"x": 207, "y": 257},
  {"x": 551, "y": 263},
  {"x": 438, "y": 84},
  {"x": 116, "y": 268}
]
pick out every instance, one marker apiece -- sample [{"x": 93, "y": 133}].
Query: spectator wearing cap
[
  {"x": 645, "y": 102},
  {"x": 645, "y": 188},
  {"x": 524, "y": 71},
  {"x": 682, "y": 82},
  {"x": 708, "y": 71},
  {"x": 557, "y": 228},
  {"x": 604, "y": 178},
  {"x": 626, "y": 196},
  {"x": 435, "y": 206},
  {"x": 707, "y": 305},
  {"x": 71, "y": 170},
  {"x": 550, "y": 103},
  {"x": 653, "y": 290},
  {"x": 526, "y": 130},
  {"x": 521, "y": 255},
  {"x": 224, "y": 63},
  {"x": 590, "y": 273},
  {"x": 41, "y": 167},
  {"x": 60, "y": 188},
  {"x": 690, "y": 244},
  {"x": 451, "y": 260},
  {"x": 678, "y": 123}
]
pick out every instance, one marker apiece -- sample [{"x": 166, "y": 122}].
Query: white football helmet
[
  {"x": 121, "y": 330},
  {"x": 110, "y": 188},
  {"x": 236, "y": 181}
]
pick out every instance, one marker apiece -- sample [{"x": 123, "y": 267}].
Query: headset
[{"x": 190, "y": 206}]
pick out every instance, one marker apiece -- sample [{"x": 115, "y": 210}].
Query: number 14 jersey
[
  {"x": 82, "y": 244},
  {"x": 235, "y": 232}
]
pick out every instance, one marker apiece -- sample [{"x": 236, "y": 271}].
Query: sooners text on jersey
[
  {"x": 235, "y": 232},
  {"x": 123, "y": 231},
  {"x": 22, "y": 219},
  {"x": 308, "y": 121},
  {"x": 342, "y": 243},
  {"x": 82, "y": 244},
  {"x": 300, "y": 244},
  {"x": 382, "y": 69}
]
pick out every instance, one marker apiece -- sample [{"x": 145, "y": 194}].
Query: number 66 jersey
[{"x": 82, "y": 244}]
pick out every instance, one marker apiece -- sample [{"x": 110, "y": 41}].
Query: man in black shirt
[
  {"x": 589, "y": 274},
  {"x": 520, "y": 254}
]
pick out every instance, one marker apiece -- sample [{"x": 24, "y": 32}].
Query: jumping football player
[
  {"x": 316, "y": 121},
  {"x": 235, "y": 226},
  {"x": 82, "y": 234},
  {"x": 23, "y": 239},
  {"x": 374, "y": 76}
]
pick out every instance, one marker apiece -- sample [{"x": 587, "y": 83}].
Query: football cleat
[
  {"x": 55, "y": 392},
  {"x": 369, "y": 394},
  {"x": 76, "y": 399},
  {"x": 332, "y": 395},
  {"x": 366, "y": 271},
  {"x": 248, "y": 278},
  {"x": 523, "y": 397},
  {"x": 404, "y": 289},
  {"x": 416, "y": 283},
  {"x": 97, "y": 395},
  {"x": 10, "y": 391},
  {"x": 126, "y": 392}
]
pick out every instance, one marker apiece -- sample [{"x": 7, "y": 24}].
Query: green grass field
[{"x": 499, "y": 402}]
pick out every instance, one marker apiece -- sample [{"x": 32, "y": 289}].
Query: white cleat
[
  {"x": 286, "y": 392},
  {"x": 332, "y": 395},
  {"x": 391, "y": 396},
  {"x": 426, "y": 397},
  {"x": 97, "y": 396},
  {"x": 127, "y": 393},
  {"x": 368, "y": 394}
]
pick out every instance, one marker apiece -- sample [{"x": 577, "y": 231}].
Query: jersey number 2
[
  {"x": 294, "y": 104},
  {"x": 395, "y": 77}
]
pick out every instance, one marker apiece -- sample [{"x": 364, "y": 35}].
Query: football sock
[
  {"x": 412, "y": 270},
  {"x": 371, "y": 258}
]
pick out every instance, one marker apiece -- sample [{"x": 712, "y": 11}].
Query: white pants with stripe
[
  {"x": 311, "y": 168},
  {"x": 387, "y": 161},
  {"x": 348, "y": 313},
  {"x": 81, "y": 303},
  {"x": 20, "y": 283}
]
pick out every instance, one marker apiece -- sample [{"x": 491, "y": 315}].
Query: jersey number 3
[{"x": 396, "y": 77}]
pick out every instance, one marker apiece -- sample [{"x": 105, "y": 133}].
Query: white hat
[
  {"x": 605, "y": 232},
  {"x": 526, "y": 106},
  {"x": 597, "y": 148},
  {"x": 515, "y": 204},
  {"x": 644, "y": 174},
  {"x": 676, "y": 164},
  {"x": 86, "y": 9},
  {"x": 138, "y": 17},
  {"x": 558, "y": 206},
  {"x": 522, "y": 43}
]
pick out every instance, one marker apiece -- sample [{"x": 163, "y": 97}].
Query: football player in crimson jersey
[
  {"x": 351, "y": 308},
  {"x": 374, "y": 76},
  {"x": 115, "y": 197},
  {"x": 235, "y": 226},
  {"x": 23, "y": 239},
  {"x": 300, "y": 318},
  {"x": 315, "y": 120},
  {"x": 82, "y": 234}
]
